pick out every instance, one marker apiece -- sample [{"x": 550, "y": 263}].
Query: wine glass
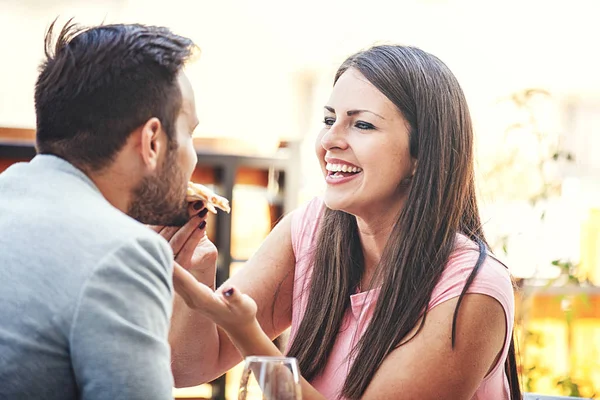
[{"x": 270, "y": 378}]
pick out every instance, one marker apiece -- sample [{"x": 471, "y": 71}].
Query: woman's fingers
[
  {"x": 227, "y": 307},
  {"x": 156, "y": 228},
  {"x": 187, "y": 250},
  {"x": 194, "y": 208},
  {"x": 194, "y": 229},
  {"x": 187, "y": 240},
  {"x": 168, "y": 232},
  {"x": 231, "y": 296},
  {"x": 242, "y": 306}
]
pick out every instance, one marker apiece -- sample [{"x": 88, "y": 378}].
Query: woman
[{"x": 385, "y": 280}]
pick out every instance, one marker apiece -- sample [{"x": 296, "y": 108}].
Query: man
[{"x": 87, "y": 290}]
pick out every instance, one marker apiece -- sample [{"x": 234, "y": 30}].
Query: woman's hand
[
  {"x": 191, "y": 247},
  {"x": 227, "y": 307},
  {"x": 235, "y": 313}
]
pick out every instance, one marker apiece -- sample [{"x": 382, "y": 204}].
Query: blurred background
[{"x": 530, "y": 73}]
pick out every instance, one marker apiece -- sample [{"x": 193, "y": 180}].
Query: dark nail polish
[
  {"x": 228, "y": 293},
  {"x": 198, "y": 205},
  {"x": 202, "y": 225},
  {"x": 203, "y": 213}
]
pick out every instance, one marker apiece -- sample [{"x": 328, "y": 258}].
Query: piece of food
[{"x": 212, "y": 201}]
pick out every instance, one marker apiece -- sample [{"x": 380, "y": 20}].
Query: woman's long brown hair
[{"x": 441, "y": 203}]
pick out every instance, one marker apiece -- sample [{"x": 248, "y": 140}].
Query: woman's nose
[{"x": 334, "y": 137}]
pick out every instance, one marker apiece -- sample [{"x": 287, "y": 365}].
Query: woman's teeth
[{"x": 341, "y": 168}]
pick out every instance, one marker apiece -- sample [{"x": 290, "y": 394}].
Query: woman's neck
[{"x": 375, "y": 231}]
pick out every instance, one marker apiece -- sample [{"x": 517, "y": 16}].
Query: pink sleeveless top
[{"x": 492, "y": 280}]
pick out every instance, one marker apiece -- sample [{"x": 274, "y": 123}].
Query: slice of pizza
[{"x": 212, "y": 201}]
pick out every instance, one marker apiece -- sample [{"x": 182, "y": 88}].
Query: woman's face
[{"x": 363, "y": 148}]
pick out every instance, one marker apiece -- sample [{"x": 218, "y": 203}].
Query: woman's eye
[
  {"x": 328, "y": 121},
  {"x": 364, "y": 125}
]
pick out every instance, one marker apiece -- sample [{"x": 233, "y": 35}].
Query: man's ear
[{"x": 150, "y": 143}]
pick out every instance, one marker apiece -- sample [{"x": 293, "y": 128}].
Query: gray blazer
[{"x": 86, "y": 291}]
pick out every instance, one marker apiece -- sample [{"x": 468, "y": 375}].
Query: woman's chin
[{"x": 334, "y": 202}]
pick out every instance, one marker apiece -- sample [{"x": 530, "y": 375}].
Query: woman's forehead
[{"x": 353, "y": 91}]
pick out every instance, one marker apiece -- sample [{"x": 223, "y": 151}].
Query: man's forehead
[
  {"x": 188, "y": 102},
  {"x": 185, "y": 85}
]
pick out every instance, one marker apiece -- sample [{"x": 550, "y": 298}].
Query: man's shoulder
[
  {"x": 70, "y": 221},
  {"x": 115, "y": 232}
]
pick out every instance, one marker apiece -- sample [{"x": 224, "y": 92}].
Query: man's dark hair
[{"x": 98, "y": 84}]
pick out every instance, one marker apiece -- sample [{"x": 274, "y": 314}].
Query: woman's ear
[
  {"x": 414, "y": 166},
  {"x": 150, "y": 143}
]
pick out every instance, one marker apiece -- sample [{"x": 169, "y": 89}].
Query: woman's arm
[
  {"x": 236, "y": 313},
  {"x": 428, "y": 368},
  {"x": 425, "y": 367},
  {"x": 201, "y": 351}
]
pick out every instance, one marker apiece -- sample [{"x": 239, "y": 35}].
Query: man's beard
[{"x": 160, "y": 199}]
